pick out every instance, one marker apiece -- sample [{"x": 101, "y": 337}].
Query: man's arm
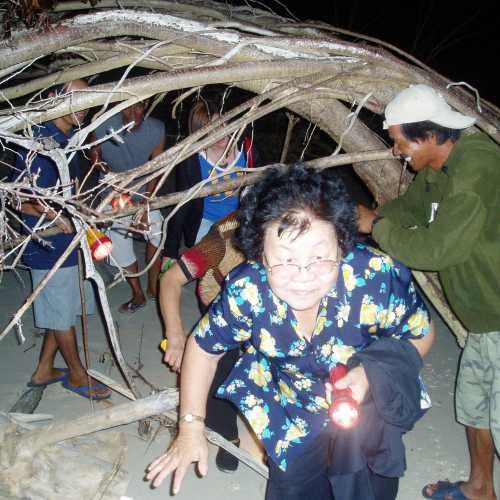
[
  {"x": 366, "y": 218},
  {"x": 445, "y": 242},
  {"x": 158, "y": 150},
  {"x": 36, "y": 209},
  {"x": 95, "y": 155}
]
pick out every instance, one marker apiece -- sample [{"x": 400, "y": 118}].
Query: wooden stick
[
  {"x": 112, "y": 384},
  {"x": 241, "y": 455},
  {"x": 212, "y": 436},
  {"x": 155, "y": 404}
]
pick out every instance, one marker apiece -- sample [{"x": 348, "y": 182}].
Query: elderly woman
[{"x": 308, "y": 298}]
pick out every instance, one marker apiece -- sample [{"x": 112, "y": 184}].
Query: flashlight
[
  {"x": 122, "y": 201},
  {"x": 344, "y": 410},
  {"x": 100, "y": 245}
]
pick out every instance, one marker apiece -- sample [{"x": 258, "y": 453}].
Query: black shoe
[{"x": 225, "y": 461}]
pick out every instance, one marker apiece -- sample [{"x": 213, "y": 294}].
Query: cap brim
[{"x": 453, "y": 119}]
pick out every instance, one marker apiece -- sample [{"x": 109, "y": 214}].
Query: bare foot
[
  {"x": 95, "y": 388},
  {"x": 41, "y": 377},
  {"x": 133, "y": 305},
  {"x": 450, "y": 490}
]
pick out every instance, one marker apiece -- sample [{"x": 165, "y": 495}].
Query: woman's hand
[
  {"x": 356, "y": 380},
  {"x": 189, "y": 446},
  {"x": 175, "y": 350}
]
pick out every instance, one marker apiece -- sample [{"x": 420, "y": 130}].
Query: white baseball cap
[{"x": 419, "y": 103}]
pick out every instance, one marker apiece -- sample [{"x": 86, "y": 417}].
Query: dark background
[{"x": 458, "y": 39}]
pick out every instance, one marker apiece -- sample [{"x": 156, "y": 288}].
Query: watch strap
[{"x": 189, "y": 418}]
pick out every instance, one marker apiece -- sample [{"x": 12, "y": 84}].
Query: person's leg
[
  {"x": 474, "y": 393},
  {"x": 56, "y": 308},
  {"x": 305, "y": 478},
  {"x": 123, "y": 255},
  {"x": 153, "y": 239},
  {"x": 138, "y": 297},
  {"x": 364, "y": 484},
  {"x": 481, "y": 451},
  {"x": 384, "y": 488},
  {"x": 473, "y": 399},
  {"x": 222, "y": 415},
  {"x": 67, "y": 345},
  {"x": 154, "y": 270},
  {"x": 45, "y": 370},
  {"x": 494, "y": 353}
]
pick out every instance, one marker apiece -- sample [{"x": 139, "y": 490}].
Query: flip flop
[
  {"x": 445, "y": 490},
  {"x": 84, "y": 390},
  {"x": 130, "y": 308},
  {"x": 52, "y": 380}
]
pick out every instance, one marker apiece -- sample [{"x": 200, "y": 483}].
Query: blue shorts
[{"x": 59, "y": 304}]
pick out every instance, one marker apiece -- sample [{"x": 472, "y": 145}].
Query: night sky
[{"x": 460, "y": 42}]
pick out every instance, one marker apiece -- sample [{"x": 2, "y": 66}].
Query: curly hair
[{"x": 293, "y": 197}]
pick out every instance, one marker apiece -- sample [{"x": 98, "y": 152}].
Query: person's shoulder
[
  {"x": 361, "y": 254},
  {"x": 477, "y": 140},
  {"x": 247, "y": 272},
  {"x": 155, "y": 124},
  {"x": 370, "y": 261},
  {"x": 475, "y": 147},
  {"x": 474, "y": 163},
  {"x": 47, "y": 129},
  {"x": 114, "y": 122}
]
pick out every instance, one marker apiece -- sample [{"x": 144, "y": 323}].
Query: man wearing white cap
[{"x": 448, "y": 221}]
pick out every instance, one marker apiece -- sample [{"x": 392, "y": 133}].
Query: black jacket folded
[{"x": 390, "y": 409}]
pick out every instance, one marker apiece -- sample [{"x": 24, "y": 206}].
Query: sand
[{"x": 436, "y": 448}]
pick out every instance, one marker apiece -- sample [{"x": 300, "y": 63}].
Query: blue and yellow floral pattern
[{"x": 278, "y": 383}]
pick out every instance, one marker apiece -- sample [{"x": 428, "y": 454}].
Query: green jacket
[{"x": 462, "y": 242}]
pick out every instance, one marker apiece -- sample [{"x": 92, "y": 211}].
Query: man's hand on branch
[
  {"x": 366, "y": 217},
  {"x": 61, "y": 222},
  {"x": 64, "y": 225},
  {"x": 143, "y": 223}
]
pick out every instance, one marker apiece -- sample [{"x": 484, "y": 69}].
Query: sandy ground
[{"x": 436, "y": 448}]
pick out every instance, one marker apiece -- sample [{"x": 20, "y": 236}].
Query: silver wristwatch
[{"x": 190, "y": 418}]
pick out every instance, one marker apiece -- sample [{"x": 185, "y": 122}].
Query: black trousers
[
  {"x": 309, "y": 477},
  {"x": 221, "y": 414}
]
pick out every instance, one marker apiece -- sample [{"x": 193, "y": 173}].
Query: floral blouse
[{"x": 278, "y": 382}]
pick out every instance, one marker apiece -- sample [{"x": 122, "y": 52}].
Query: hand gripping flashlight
[{"x": 344, "y": 410}]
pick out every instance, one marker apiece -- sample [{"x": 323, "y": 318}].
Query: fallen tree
[{"x": 310, "y": 69}]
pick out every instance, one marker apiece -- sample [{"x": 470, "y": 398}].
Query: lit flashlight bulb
[
  {"x": 122, "y": 201},
  {"x": 344, "y": 410},
  {"x": 100, "y": 245}
]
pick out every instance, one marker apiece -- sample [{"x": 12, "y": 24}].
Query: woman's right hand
[
  {"x": 189, "y": 446},
  {"x": 175, "y": 350}
]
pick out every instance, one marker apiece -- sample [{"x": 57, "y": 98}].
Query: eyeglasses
[{"x": 288, "y": 271}]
